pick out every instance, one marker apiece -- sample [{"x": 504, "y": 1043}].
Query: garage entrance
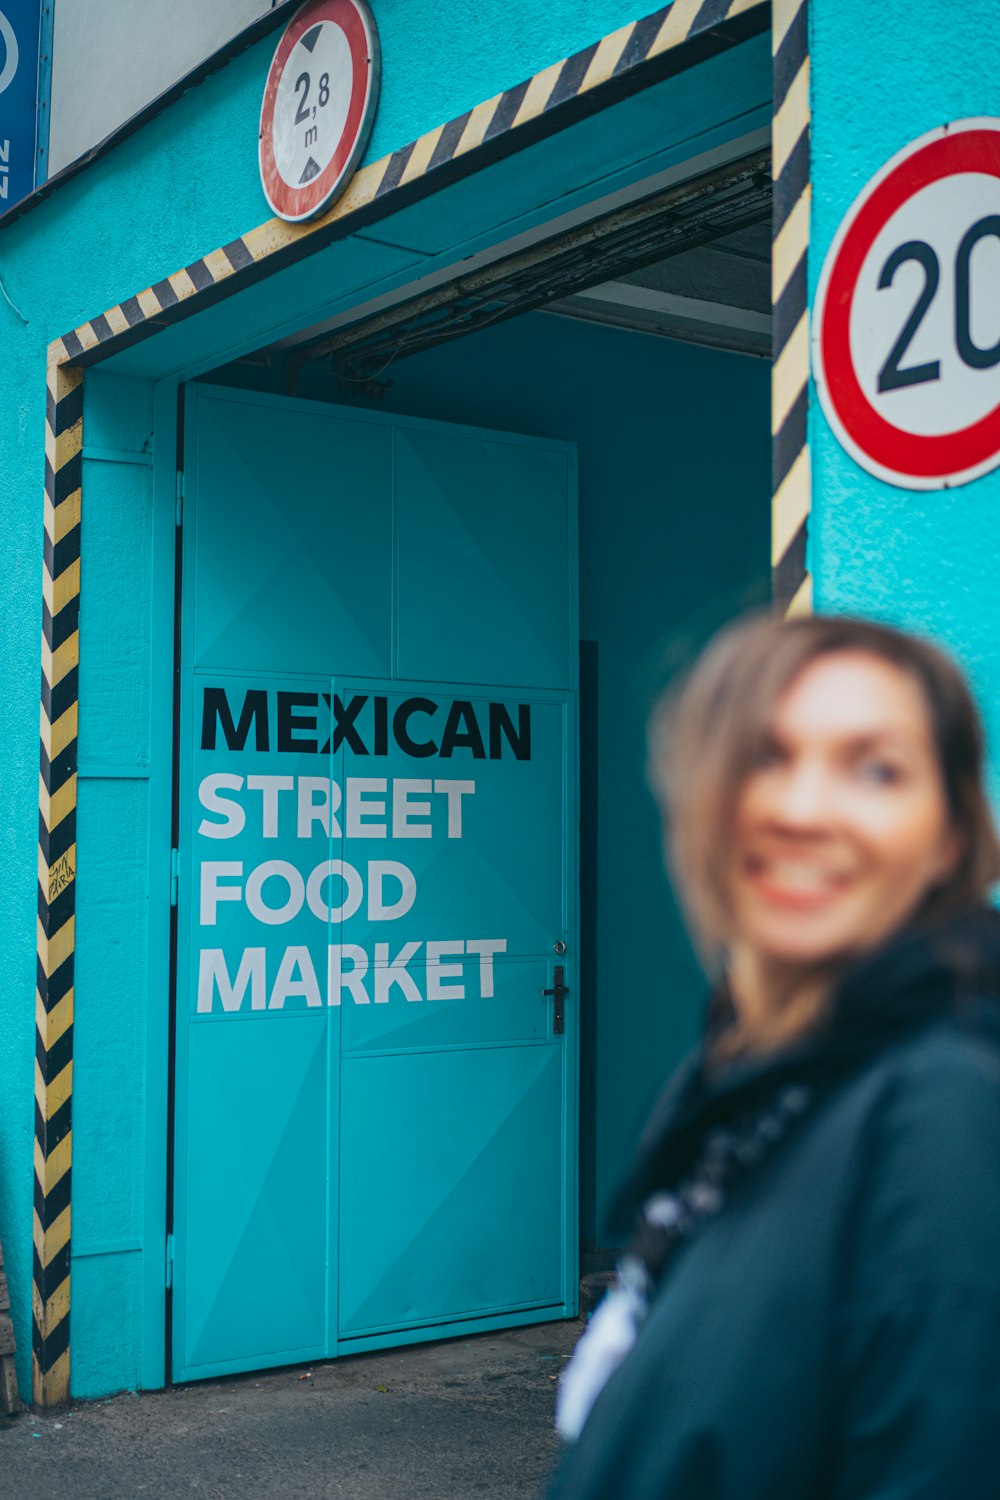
[{"x": 377, "y": 914}]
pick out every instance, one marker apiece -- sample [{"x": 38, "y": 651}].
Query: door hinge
[
  {"x": 170, "y": 1262},
  {"x": 179, "y": 510},
  {"x": 175, "y": 874}
]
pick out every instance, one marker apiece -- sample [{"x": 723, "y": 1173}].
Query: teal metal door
[{"x": 375, "y": 1135}]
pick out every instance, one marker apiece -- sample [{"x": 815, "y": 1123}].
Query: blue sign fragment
[{"x": 19, "y": 37}]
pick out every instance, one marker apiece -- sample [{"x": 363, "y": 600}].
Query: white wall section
[{"x": 109, "y": 59}]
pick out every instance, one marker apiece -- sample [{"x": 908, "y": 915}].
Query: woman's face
[{"x": 842, "y": 827}]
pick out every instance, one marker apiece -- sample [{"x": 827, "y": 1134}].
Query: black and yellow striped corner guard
[
  {"x": 56, "y": 885},
  {"x": 669, "y": 41},
  {"x": 791, "y": 581}
]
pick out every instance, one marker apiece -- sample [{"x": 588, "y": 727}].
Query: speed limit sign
[
  {"x": 906, "y": 327},
  {"x": 319, "y": 104}
]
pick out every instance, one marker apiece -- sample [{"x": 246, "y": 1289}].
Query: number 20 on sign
[{"x": 906, "y": 327}]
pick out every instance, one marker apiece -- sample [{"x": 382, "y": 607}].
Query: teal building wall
[{"x": 922, "y": 559}]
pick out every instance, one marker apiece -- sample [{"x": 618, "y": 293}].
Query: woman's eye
[
  {"x": 879, "y": 772},
  {"x": 767, "y": 757}
]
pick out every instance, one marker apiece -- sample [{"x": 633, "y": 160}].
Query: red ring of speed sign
[
  {"x": 319, "y": 104},
  {"x": 904, "y": 359}
]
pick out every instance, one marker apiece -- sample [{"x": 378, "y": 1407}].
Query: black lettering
[
  {"x": 343, "y": 724},
  {"x": 290, "y": 726},
  {"x": 975, "y": 357},
  {"x": 400, "y": 726},
  {"x": 518, "y": 739},
  {"x": 381, "y": 746},
  {"x": 455, "y": 738},
  {"x": 216, "y": 710},
  {"x": 891, "y": 377}
]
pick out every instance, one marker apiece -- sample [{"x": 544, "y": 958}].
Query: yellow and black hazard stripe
[
  {"x": 56, "y": 881},
  {"x": 791, "y": 580},
  {"x": 672, "y": 39}
]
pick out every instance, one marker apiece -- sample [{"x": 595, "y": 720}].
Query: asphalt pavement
[{"x": 463, "y": 1418}]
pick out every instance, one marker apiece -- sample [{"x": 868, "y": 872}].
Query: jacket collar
[{"x": 950, "y": 970}]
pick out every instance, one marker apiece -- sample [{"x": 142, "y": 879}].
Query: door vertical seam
[{"x": 168, "y": 1342}]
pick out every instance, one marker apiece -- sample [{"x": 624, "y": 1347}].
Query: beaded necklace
[{"x": 666, "y": 1220}]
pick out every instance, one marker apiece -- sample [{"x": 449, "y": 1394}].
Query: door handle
[{"x": 559, "y": 991}]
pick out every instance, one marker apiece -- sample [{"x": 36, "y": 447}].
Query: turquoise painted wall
[
  {"x": 674, "y": 537},
  {"x": 184, "y": 183},
  {"x": 926, "y": 560},
  {"x": 110, "y": 1073}
]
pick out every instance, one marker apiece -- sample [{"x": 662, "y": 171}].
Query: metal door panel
[
  {"x": 447, "y": 1186},
  {"x": 255, "y": 1231},
  {"x": 477, "y": 600},
  {"x": 281, "y": 585}
]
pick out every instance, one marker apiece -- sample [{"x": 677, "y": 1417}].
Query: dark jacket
[{"x": 833, "y": 1332}]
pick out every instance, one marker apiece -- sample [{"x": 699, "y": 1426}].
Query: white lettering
[
  {"x": 212, "y": 893},
  {"x": 404, "y": 811},
  {"x": 318, "y": 800},
  {"x": 314, "y": 891},
  {"x": 208, "y": 796},
  {"x": 359, "y": 811},
  {"x": 286, "y": 983},
  {"x": 486, "y": 947},
  {"x": 387, "y": 974},
  {"x": 353, "y": 980},
  {"x": 348, "y": 966},
  {"x": 270, "y": 786},
  {"x": 455, "y": 791},
  {"x": 378, "y": 872},
  {"x": 212, "y": 972},
  {"x": 311, "y": 811},
  {"x": 274, "y": 869},
  {"x": 438, "y": 972}
]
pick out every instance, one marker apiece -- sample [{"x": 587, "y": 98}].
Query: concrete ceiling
[{"x": 718, "y": 294}]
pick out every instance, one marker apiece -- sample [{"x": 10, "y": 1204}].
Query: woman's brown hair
[{"x": 709, "y": 735}]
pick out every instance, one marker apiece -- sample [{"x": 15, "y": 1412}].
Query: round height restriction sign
[
  {"x": 319, "y": 104},
  {"x": 906, "y": 328}
]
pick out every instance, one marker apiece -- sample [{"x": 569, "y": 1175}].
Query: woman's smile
[{"x": 787, "y": 881}]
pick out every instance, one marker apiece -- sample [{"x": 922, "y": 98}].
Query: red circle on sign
[
  {"x": 914, "y": 460},
  {"x": 307, "y": 199}
]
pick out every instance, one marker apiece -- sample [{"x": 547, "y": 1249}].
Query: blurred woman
[{"x": 809, "y": 1305}]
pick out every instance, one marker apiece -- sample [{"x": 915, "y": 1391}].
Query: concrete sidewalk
[{"x": 456, "y": 1420}]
